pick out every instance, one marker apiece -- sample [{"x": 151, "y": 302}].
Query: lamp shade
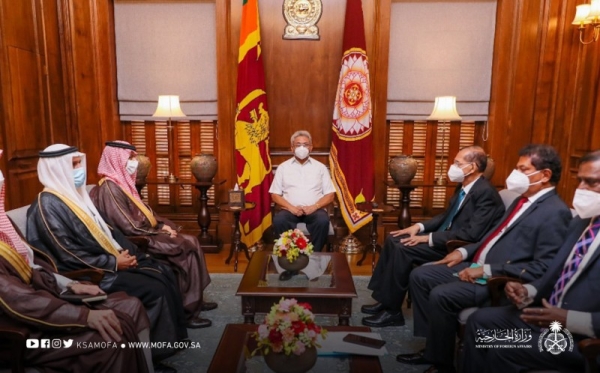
[
  {"x": 594, "y": 10},
  {"x": 581, "y": 14},
  {"x": 444, "y": 109},
  {"x": 168, "y": 107}
]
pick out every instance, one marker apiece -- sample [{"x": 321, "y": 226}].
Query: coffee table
[
  {"x": 237, "y": 344},
  {"x": 330, "y": 294}
]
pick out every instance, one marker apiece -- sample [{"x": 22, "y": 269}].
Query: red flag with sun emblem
[{"x": 351, "y": 156}]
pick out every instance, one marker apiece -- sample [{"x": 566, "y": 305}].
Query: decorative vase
[
  {"x": 282, "y": 363},
  {"x": 300, "y": 263},
  {"x": 403, "y": 169},
  {"x": 143, "y": 169},
  {"x": 490, "y": 168},
  {"x": 204, "y": 167}
]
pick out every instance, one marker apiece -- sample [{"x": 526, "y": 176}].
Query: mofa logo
[{"x": 555, "y": 340}]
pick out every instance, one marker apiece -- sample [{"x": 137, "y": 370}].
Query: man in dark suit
[
  {"x": 521, "y": 245},
  {"x": 567, "y": 293},
  {"x": 474, "y": 208}
]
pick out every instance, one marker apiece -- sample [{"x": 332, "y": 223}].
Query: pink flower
[
  {"x": 263, "y": 331},
  {"x": 299, "y": 348},
  {"x": 286, "y": 304},
  {"x": 288, "y": 335},
  {"x": 277, "y": 347}
]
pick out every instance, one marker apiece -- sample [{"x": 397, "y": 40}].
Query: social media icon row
[{"x": 48, "y": 343}]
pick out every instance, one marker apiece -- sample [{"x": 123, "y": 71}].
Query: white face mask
[
  {"x": 586, "y": 203},
  {"x": 301, "y": 152},
  {"x": 519, "y": 182},
  {"x": 132, "y": 165},
  {"x": 1, "y": 180},
  {"x": 456, "y": 174}
]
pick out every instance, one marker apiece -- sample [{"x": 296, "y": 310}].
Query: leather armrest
[
  {"x": 94, "y": 275},
  {"x": 590, "y": 349},
  {"x": 452, "y": 245},
  {"x": 496, "y": 287}
]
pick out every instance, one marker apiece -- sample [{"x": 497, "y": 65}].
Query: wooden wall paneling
[
  {"x": 515, "y": 74},
  {"x": 227, "y": 37},
  {"x": 55, "y": 89},
  {"x": 24, "y": 109},
  {"x": 302, "y": 75},
  {"x": 91, "y": 66},
  {"x": 552, "y": 30},
  {"x": 378, "y": 46}
]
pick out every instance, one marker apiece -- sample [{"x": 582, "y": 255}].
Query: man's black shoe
[
  {"x": 372, "y": 309},
  {"x": 286, "y": 275},
  {"x": 416, "y": 358},
  {"x": 384, "y": 318},
  {"x": 198, "y": 323},
  {"x": 208, "y": 306}
]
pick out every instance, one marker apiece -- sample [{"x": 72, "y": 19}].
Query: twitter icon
[{"x": 67, "y": 343}]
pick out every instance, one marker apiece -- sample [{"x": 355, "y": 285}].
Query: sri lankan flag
[
  {"x": 351, "y": 156},
  {"x": 253, "y": 164}
]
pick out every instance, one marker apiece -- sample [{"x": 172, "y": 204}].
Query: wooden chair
[{"x": 333, "y": 212}]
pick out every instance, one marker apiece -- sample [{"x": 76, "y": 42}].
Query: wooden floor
[{"x": 216, "y": 263}]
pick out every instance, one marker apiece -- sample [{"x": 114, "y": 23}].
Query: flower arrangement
[
  {"x": 288, "y": 328},
  {"x": 291, "y": 244}
]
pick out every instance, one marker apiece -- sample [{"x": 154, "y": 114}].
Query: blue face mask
[{"x": 79, "y": 176}]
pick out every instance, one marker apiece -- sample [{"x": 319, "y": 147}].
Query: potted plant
[
  {"x": 288, "y": 337},
  {"x": 292, "y": 249}
]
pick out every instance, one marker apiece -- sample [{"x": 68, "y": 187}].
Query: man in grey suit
[
  {"x": 473, "y": 209},
  {"x": 567, "y": 293},
  {"x": 521, "y": 245}
]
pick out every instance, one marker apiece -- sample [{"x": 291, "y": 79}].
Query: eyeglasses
[{"x": 305, "y": 144}]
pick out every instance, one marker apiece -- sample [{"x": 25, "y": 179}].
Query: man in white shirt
[
  {"x": 302, "y": 187},
  {"x": 522, "y": 245},
  {"x": 567, "y": 293}
]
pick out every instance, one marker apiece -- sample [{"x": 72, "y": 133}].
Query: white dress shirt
[{"x": 302, "y": 184}]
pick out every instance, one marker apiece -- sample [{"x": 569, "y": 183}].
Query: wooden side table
[
  {"x": 375, "y": 209},
  {"x": 236, "y": 244},
  {"x": 207, "y": 242},
  {"x": 404, "y": 218}
]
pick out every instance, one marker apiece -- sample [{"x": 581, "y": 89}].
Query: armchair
[{"x": 18, "y": 218}]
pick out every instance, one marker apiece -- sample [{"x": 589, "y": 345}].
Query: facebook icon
[{"x": 45, "y": 343}]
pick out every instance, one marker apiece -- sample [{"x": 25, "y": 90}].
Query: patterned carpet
[{"x": 222, "y": 290}]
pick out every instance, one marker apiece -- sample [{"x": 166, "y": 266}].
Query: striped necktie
[
  {"x": 581, "y": 248},
  {"x": 448, "y": 221}
]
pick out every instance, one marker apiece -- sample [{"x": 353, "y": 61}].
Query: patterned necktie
[
  {"x": 581, "y": 248},
  {"x": 448, "y": 221},
  {"x": 500, "y": 228}
]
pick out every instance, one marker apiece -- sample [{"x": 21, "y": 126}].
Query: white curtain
[
  {"x": 440, "y": 48},
  {"x": 166, "y": 49}
]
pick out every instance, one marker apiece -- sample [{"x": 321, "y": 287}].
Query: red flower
[
  {"x": 283, "y": 252},
  {"x": 301, "y": 242},
  {"x": 306, "y": 306},
  {"x": 275, "y": 336},
  {"x": 298, "y": 327}
]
